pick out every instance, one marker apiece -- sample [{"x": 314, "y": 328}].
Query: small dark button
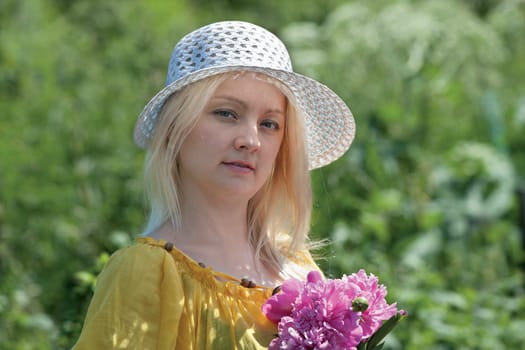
[
  {"x": 201, "y": 264},
  {"x": 247, "y": 283},
  {"x": 168, "y": 246}
]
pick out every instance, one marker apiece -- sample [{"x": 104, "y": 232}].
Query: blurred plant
[
  {"x": 70, "y": 175},
  {"x": 423, "y": 199}
]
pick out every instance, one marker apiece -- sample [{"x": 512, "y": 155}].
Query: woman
[{"x": 230, "y": 141}]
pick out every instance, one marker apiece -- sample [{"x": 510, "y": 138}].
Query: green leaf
[
  {"x": 379, "y": 347},
  {"x": 373, "y": 342}
]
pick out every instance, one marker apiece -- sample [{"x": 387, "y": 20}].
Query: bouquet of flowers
[{"x": 350, "y": 313}]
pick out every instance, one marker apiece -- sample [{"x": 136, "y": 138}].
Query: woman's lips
[{"x": 241, "y": 165}]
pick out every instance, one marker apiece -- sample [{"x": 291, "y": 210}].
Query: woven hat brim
[{"x": 329, "y": 123}]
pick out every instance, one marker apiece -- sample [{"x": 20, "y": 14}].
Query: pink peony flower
[
  {"x": 327, "y": 313},
  {"x": 378, "y": 309},
  {"x": 281, "y": 304}
]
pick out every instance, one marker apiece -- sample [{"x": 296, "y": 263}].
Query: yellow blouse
[{"x": 152, "y": 296}]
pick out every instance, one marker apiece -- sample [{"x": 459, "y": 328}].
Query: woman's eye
[
  {"x": 224, "y": 113},
  {"x": 271, "y": 124}
]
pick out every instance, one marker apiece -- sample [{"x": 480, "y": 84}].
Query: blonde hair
[{"x": 278, "y": 214}]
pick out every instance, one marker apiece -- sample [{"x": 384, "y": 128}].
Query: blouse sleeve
[{"x": 137, "y": 302}]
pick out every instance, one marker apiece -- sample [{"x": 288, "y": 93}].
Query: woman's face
[{"x": 233, "y": 147}]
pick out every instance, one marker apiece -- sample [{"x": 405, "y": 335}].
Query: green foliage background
[{"x": 427, "y": 198}]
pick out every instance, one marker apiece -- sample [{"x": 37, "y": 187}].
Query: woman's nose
[{"x": 248, "y": 138}]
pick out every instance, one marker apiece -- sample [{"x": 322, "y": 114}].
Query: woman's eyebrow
[
  {"x": 243, "y": 104},
  {"x": 231, "y": 99}
]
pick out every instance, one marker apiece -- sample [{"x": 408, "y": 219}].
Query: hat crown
[{"x": 231, "y": 43}]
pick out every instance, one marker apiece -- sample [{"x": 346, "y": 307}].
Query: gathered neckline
[{"x": 206, "y": 274}]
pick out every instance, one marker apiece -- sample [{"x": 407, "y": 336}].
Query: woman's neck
[
  {"x": 222, "y": 222},
  {"x": 216, "y": 234}
]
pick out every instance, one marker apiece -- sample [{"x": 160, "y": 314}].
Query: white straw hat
[{"x": 240, "y": 46}]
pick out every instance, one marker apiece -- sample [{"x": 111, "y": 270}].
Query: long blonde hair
[{"x": 278, "y": 214}]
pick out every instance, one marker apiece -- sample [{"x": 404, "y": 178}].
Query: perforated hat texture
[{"x": 240, "y": 46}]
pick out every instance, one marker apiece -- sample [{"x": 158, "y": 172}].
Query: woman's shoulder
[
  {"x": 135, "y": 288},
  {"x": 142, "y": 248},
  {"x": 151, "y": 255},
  {"x": 144, "y": 257}
]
